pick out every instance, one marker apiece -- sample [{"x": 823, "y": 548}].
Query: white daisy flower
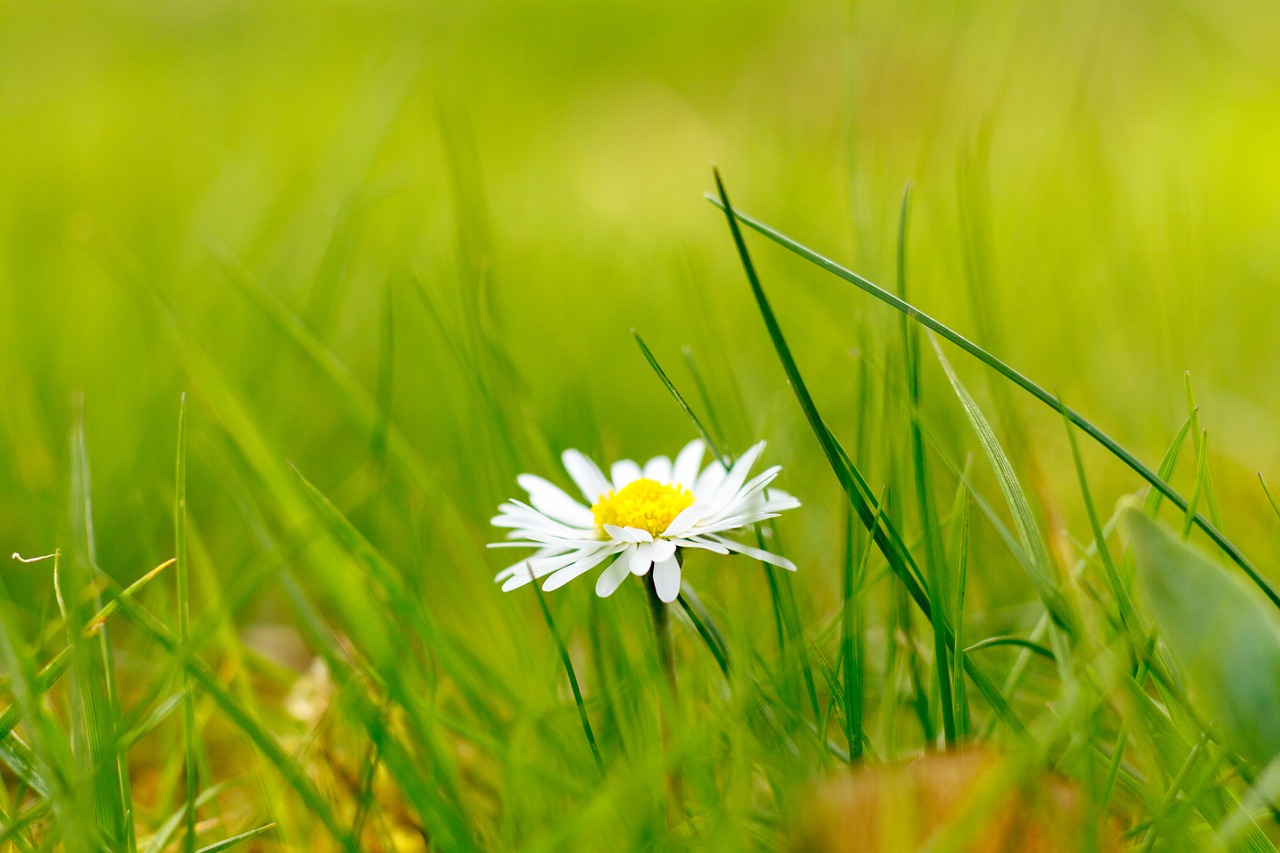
[{"x": 638, "y": 517}]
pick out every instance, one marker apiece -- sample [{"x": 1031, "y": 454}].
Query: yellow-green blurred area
[{"x": 1099, "y": 178}]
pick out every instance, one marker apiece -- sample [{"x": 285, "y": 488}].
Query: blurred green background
[{"x": 1096, "y": 198}]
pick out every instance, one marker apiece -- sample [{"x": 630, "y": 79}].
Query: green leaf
[{"x": 1220, "y": 633}]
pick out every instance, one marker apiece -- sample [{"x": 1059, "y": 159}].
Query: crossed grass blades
[{"x": 435, "y": 727}]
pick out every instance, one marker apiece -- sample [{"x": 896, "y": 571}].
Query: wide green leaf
[{"x": 1223, "y": 637}]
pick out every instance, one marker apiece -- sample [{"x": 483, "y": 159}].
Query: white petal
[
  {"x": 627, "y": 534},
  {"x": 720, "y": 525},
  {"x": 762, "y": 556},
  {"x": 520, "y": 515},
  {"x": 658, "y": 469},
  {"x": 778, "y": 499},
  {"x": 704, "y": 544},
  {"x": 685, "y": 471},
  {"x": 737, "y": 475},
  {"x": 612, "y": 577},
  {"x": 550, "y": 500},
  {"x": 519, "y": 579},
  {"x": 537, "y": 537},
  {"x": 662, "y": 549},
  {"x": 624, "y": 473},
  {"x": 641, "y": 559},
  {"x": 666, "y": 579},
  {"x": 526, "y": 571},
  {"x": 526, "y": 544},
  {"x": 709, "y": 480},
  {"x": 688, "y": 517},
  {"x": 510, "y": 570},
  {"x": 586, "y": 474},
  {"x": 756, "y": 485},
  {"x": 572, "y": 570},
  {"x": 530, "y": 569}
]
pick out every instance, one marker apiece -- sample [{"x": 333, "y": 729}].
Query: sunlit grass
[{"x": 294, "y": 293}]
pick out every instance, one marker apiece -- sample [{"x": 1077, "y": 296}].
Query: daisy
[{"x": 641, "y": 518}]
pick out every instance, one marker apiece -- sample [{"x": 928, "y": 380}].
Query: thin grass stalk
[
  {"x": 573, "y": 677},
  {"x": 184, "y": 627},
  {"x": 934, "y": 558},
  {"x": 960, "y": 699}
]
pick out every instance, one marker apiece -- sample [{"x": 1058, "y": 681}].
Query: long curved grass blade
[
  {"x": 850, "y": 479},
  {"x": 1112, "y": 446}
]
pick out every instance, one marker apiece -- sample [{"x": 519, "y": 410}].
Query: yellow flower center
[{"x": 644, "y": 504}]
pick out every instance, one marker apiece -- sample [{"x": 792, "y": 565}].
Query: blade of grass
[
  {"x": 708, "y": 404},
  {"x": 228, "y": 843},
  {"x": 1041, "y": 566},
  {"x": 934, "y": 558},
  {"x": 158, "y": 841},
  {"x": 573, "y": 678},
  {"x": 957, "y": 620},
  {"x": 189, "y": 732},
  {"x": 855, "y": 570},
  {"x": 846, "y": 473},
  {"x": 94, "y": 684},
  {"x": 1094, "y": 432},
  {"x": 716, "y": 449},
  {"x": 1193, "y": 414},
  {"x": 1018, "y": 642},
  {"x": 11, "y": 831},
  {"x": 1167, "y": 464},
  {"x": 48, "y": 765},
  {"x": 850, "y": 479},
  {"x": 1202, "y": 477},
  {"x": 705, "y": 626},
  {"x": 1274, "y": 507},
  {"x": 1119, "y": 591}
]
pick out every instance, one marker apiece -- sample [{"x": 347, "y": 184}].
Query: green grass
[{"x": 295, "y": 292}]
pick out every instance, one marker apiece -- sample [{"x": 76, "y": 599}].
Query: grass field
[{"x": 295, "y": 291}]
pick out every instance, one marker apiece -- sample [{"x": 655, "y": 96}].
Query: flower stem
[
  {"x": 667, "y": 658},
  {"x": 662, "y": 632}
]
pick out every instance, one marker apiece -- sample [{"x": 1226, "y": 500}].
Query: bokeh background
[
  {"x": 440, "y": 192},
  {"x": 320, "y": 219}
]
